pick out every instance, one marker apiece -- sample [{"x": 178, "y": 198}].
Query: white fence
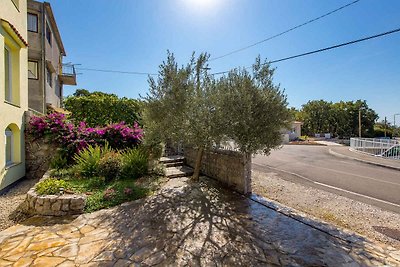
[{"x": 387, "y": 148}]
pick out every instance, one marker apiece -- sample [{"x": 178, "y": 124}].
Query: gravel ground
[
  {"x": 367, "y": 220},
  {"x": 10, "y": 200}
]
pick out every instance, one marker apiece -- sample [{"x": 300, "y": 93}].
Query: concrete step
[
  {"x": 180, "y": 171},
  {"x": 171, "y": 159}
]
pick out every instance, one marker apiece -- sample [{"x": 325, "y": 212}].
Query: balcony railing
[{"x": 68, "y": 74}]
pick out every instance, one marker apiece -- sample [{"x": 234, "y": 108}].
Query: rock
[
  {"x": 65, "y": 207},
  {"x": 56, "y": 206}
]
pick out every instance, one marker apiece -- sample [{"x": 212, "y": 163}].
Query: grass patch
[{"x": 102, "y": 194}]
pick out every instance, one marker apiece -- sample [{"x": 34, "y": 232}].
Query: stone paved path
[{"x": 184, "y": 224}]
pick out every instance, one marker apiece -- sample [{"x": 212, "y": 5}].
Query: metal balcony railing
[
  {"x": 68, "y": 74},
  {"x": 68, "y": 69}
]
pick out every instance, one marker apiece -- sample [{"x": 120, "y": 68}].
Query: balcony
[{"x": 68, "y": 74}]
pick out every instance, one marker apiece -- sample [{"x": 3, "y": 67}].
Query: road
[{"x": 314, "y": 166}]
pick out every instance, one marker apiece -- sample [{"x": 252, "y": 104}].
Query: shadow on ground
[
  {"x": 204, "y": 224},
  {"x": 184, "y": 224}
]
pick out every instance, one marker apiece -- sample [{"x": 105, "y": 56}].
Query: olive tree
[
  {"x": 187, "y": 104},
  {"x": 251, "y": 109},
  {"x": 177, "y": 107}
]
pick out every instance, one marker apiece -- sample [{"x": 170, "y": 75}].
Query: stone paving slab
[{"x": 184, "y": 224}]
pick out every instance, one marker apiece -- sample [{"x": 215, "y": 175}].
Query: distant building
[
  {"x": 293, "y": 133},
  {"x": 13, "y": 90},
  {"x": 46, "y": 72}
]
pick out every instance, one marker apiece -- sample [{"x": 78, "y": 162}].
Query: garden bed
[{"x": 87, "y": 194}]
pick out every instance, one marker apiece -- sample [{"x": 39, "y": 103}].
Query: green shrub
[
  {"x": 134, "y": 163},
  {"x": 60, "y": 161},
  {"x": 153, "y": 150},
  {"x": 118, "y": 192},
  {"x": 50, "y": 186},
  {"x": 110, "y": 166},
  {"x": 87, "y": 160}
]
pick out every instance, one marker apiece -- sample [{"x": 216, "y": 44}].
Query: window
[
  {"x": 48, "y": 33},
  {"x": 49, "y": 77},
  {"x": 32, "y": 22},
  {"x": 9, "y": 146},
  {"x": 33, "y": 70},
  {"x": 8, "y": 73}
]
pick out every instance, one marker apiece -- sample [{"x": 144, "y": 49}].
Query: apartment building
[
  {"x": 46, "y": 72},
  {"x": 13, "y": 89}
]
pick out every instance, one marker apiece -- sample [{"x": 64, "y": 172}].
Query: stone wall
[
  {"x": 53, "y": 205},
  {"x": 38, "y": 154},
  {"x": 229, "y": 167}
]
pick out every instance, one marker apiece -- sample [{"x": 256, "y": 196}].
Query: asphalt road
[{"x": 314, "y": 166}]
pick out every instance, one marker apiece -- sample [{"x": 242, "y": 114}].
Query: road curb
[{"x": 363, "y": 161}]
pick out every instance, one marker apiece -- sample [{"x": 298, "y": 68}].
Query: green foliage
[
  {"x": 118, "y": 192},
  {"x": 339, "y": 119},
  {"x": 87, "y": 160},
  {"x": 100, "y": 109},
  {"x": 186, "y": 104},
  {"x": 135, "y": 163},
  {"x": 60, "y": 160},
  {"x": 110, "y": 166},
  {"x": 382, "y": 130},
  {"x": 250, "y": 109},
  {"x": 50, "y": 186}
]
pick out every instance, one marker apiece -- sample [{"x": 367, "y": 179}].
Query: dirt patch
[{"x": 367, "y": 220}]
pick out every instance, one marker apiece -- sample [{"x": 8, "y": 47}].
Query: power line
[
  {"x": 284, "y": 32},
  {"x": 273, "y": 61},
  {"x": 323, "y": 49},
  {"x": 119, "y": 71}
]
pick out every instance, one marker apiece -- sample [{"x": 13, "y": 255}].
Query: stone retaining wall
[
  {"x": 229, "y": 167},
  {"x": 38, "y": 153},
  {"x": 53, "y": 205}
]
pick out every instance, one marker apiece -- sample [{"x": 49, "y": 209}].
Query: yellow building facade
[{"x": 13, "y": 89}]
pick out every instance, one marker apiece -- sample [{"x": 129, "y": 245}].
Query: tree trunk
[{"x": 197, "y": 166}]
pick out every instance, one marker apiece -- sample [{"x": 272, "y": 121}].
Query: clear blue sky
[{"x": 133, "y": 35}]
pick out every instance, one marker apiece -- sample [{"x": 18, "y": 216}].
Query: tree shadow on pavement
[{"x": 203, "y": 224}]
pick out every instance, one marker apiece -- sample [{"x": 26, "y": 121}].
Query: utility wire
[
  {"x": 284, "y": 32},
  {"x": 322, "y": 49},
  {"x": 118, "y": 71},
  {"x": 270, "y": 62}
]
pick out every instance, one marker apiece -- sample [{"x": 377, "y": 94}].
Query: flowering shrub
[{"x": 73, "y": 138}]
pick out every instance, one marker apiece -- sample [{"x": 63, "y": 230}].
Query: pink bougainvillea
[{"x": 72, "y": 138}]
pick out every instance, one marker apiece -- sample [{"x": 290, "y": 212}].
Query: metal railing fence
[{"x": 387, "y": 148}]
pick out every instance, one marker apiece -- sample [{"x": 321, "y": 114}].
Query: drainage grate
[{"x": 389, "y": 232}]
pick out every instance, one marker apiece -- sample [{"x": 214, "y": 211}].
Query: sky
[{"x": 134, "y": 35}]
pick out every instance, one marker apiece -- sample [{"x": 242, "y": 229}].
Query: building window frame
[
  {"x": 36, "y": 77},
  {"x": 36, "y": 22},
  {"x": 49, "y": 77},
  {"x": 8, "y": 72},
  {"x": 9, "y": 146},
  {"x": 48, "y": 33}
]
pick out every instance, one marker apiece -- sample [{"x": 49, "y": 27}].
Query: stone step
[
  {"x": 170, "y": 159},
  {"x": 174, "y": 164},
  {"x": 180, "y": 171}
]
